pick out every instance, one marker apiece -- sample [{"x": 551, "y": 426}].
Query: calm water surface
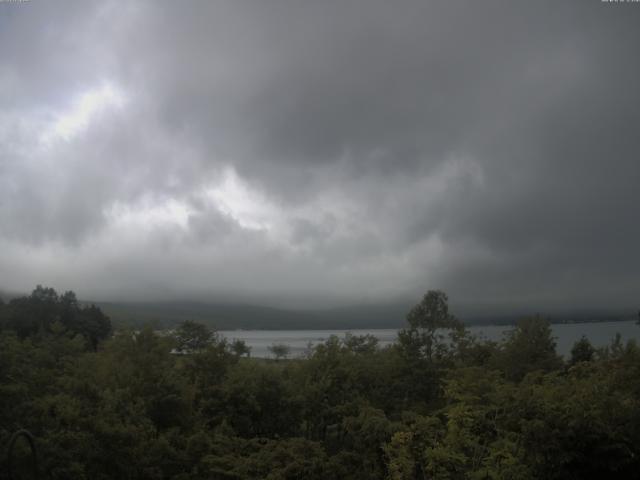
[{"x": 600, "y": 334}]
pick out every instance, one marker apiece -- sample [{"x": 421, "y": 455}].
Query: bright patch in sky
[
  {"x": 235, "y": 198},
  {"x": 231, "y": 196},
  {"x": 85, "y": 107},
  {"x": 149, "y": 213}
]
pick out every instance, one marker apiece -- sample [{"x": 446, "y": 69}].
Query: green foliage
[
  {"x": 45, "y": 312},
  {"x": 582, "y": 351},
  {"x": 280, "y": 350},
  {"x": 363, "y": 344},
  {"x": 193, "y": 337},
  {"x": 440, "y": 404},
  {"x": 529, "y": 347},
  {"x": 401, "y": 463},
  {"x": 259, "y": 402},
  {"x": 428, "y": 321},
  {"x": 240, "y": 348}
]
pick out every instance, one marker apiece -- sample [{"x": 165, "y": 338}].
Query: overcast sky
[{"x": 327, "y": 152}]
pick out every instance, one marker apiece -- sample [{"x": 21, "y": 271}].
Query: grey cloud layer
[{"x": 375, "y": 150}]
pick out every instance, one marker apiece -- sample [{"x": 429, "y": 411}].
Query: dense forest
[{"x": 438, "y": 404}]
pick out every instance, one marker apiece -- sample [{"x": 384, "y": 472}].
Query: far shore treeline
[
  {"x": 230, "y": 316},
  {"x": 131, "y": 403},
  {"x": 246, "y": 316}
]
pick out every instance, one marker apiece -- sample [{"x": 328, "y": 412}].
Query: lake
[{"x": 600, "y": 334}]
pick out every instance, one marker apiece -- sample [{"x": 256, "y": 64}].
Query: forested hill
[
  {"x": 249, "y": 317},
  {"x": 234, "y": 316},
  {"x": 230, "y": 316}
]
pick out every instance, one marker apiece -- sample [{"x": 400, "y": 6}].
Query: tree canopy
[
  {"x": 45, "y": 312},
  {"x": 437, "y": 404}
]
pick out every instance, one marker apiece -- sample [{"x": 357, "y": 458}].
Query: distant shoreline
[
  {"x": 252, "y": 317},
  {"x": 320, "y": 329}
]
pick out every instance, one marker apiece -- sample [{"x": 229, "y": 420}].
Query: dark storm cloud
[{"x": 346, "y": 150}]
